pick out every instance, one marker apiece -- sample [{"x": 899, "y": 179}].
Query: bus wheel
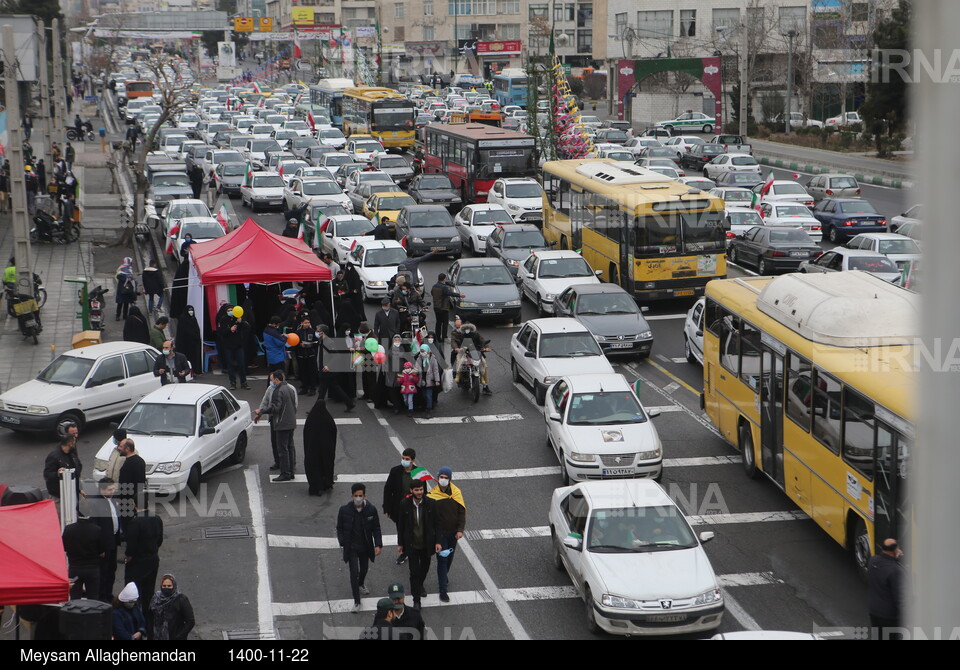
[
  {"x": 746, "y": 451},
  {"x": 861, "y": 547},
  {"x": 563, "y": 243}
]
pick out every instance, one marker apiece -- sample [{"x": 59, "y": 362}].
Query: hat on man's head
[{"x": 395, "y": 590}]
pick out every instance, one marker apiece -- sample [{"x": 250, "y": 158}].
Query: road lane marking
[
  {"x": 667, "y": 373},
  {"x": 664, "y": 408},
  {"x": 671, "y": 387},
  {"x": 482, "y": 418},
  {"x": 700, "y": 461},
  {"x": 746, "y": 517},
  {"x": 701, "y": 419},
  {"x": 526, "y": 394},
  {"x": 679, "y": 360},
  {"x": 265, "y": 604},
  {"x": 748, "y": 579},
  {"x": 663, "y": 358},
  {"x": 664, "y": 317}
]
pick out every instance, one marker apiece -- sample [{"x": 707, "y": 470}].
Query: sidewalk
[{"x": 21, "y": 360}]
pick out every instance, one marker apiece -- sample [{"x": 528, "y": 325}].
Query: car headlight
[
  {"x": 581, "y": 458},
  {"x": 422, "y": 200},
  {"x": 549, "y": 297},
  {"x": 513, "y": 303},
  {"x": 482, "y": 238},
  {"x": 345, "y": 247},
  {"x": 512, "y": 262},
  {"x": 708, "y": 597},
  {"x": 37, "y": 409},
  {"x": 376, "y": 284},
  {"x": 168, "y": 468},
  {"x": 619, "y": 602},
  {"x": 645, "y": 335},
  {"x": 416, "y": 240},
  {"x": 467, "y": 303},
  {"x": 513, "y": 207},
  {"x": 648, "y": 455},
  {"x": 455, "y": 238}
]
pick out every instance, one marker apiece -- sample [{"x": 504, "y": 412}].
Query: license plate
[
  {"x": 680, "y": 293},
  {"x": 491, "y": 311},
  {"x": 10, "y": 419},
  {"x": 799, "y": 254},
  {"x": 437, "y": 248},
  {"x": 621, "y": 345},
  {"x": 95, "y": 304},
  {"x": 30, "y": 323},
  {"x": 616, "y": 472},
  {"x": 666, "y": 618}
]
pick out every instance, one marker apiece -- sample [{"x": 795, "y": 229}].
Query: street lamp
[{"x": 790, "y": 35}]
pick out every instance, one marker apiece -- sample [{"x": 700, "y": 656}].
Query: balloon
[
  {"x": 381, "y": 349},
  {"x": 371, "y": 345},
  {"x": 293, "y": 339},
  {"x": 238, "y": 311},
  {"x": 379, "y": 358}
]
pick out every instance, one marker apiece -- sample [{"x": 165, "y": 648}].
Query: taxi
[{"x": 386, "y": 204}]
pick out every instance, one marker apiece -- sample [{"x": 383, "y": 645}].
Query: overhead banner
[
  {"x": 507, "y": 47},
  {"x": 366, "y": 31},
  {"x": 227, "y": 54},
  {"x": 302, "y": 16},
  {"x": 147, "y": 34},
  {"x": 430, "y": 48}
]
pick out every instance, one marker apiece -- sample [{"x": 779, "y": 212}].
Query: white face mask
[
  {"x": 405, "y": 463},
  {"x": 358, "y": 501},
  {"x": 444, "y": 481}
]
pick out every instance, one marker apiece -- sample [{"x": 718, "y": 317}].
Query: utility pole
[
  {"x": 18, "y": 187},
  {"x": 744, "y": 46},
  {"x": 791, "y": 35},
  {"x": 44, "y": 116},
  {"x": 59, "y": 90}
]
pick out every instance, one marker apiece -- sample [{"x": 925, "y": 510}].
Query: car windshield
[
  {"x": 202, "y": 230},
  {"x": 568, "y": 345},
  {"x": 599, "y": 409},
  {"x": 749, "y": 178},
  {"x": 790, "y": 236},
  {"x": 167, "y": 181},
  {"x": 665, "y": 171},
  {"x": 843, "y": 182},
  {"x": 368, "y": 146},
  {"x": 660, "y": 152},
  {"x": 375, "y": 177},
  {"x": 263, "y": 146},
  {"x": 228, "y": 157},
  {"x": 331, "y": 133},
  {"x": 430, "y": 219},
  {"x": 899, "y": 247},
  {"x": 262, "y": 129},
  {"x": 354, "y": 227},
  {"x": 619, "y": 156},
  {"x": 320, "y": 120},
  {"x": 792, "y": 211},
  {"x": 553, "y": 268},
  {"x": 233, "y": 169},
  {"x": 615, "y": 135},
  {"x": 393, "y": 162},
  {"x": 859, "y": 207},
  {"x": 66, "y": 370},
  {"x": 639, "y": 529},
  {"x": 789, "y": 189},
  {"x": 290, "y": 167},
  {"x": 382, "y": 258},
  {"x": 304, "y": 142},
  {"x": 161, "y": 419},
  {"x": 490, "y": 217},
  {"x": 321, "y": 188},
  {"x": 341, "y": 159},
  {"x": 435, "y": 182},
  {"x": 295, "y": 125},
  {"x": 737, "y": 196},
  {"x": 872, "y": 264},
  {"x": 268, "y": 181},
  {"x": 743, "y": 161},
  {"x": 606, "y": 303},
  {"x": 750, "y": 218},
  {"x": 493, "y": 274},
  {"x": 529, "y": 190},
  {"x": 395, "y": 202},
  {"x": 524, "y": 239},
  {"x": 177, "y": 210}
]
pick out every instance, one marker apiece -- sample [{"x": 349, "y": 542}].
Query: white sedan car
[
  {"x": 376, "y": 262},
  {"x": 545, "y": 275},
  {"x": 791, "y": 215},
  {"x": 183, "y": 431},
  {"x": 341, "y": 232},
  {"x": 543, "y": 350},
  {"x": 364, "y": 151},
  {"x": 475, "y": 223},
  {"x": 200, "y": 229},
  {"x": 265, "y": 190},
  {"x": 599, "y": 430},
  {"x": 730, "y": 163},
  {"x": 783, "y": 190},
  {"x": 331, "y": 137},
  {"x": 308, "y": 190},
  {"x": 693, "y": 332},
  {"x": 633, "y": 558}
]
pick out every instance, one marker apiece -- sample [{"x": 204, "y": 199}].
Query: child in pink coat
[{"x": 408, "y": 380}]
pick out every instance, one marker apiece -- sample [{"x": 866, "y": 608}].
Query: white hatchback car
[
  {"x": 544, "y": 350},
  {"x": 730, "y": 163},
  {"x": 545, "y": 275},
  {"x": 475, "y": 223},
  {"x": 265, "y": 190},
  {"x": 599, "y": 430},
  {"x": 633, "y": 558},
  {"x": 522, "y": 197},
  {"x": 183, "y": 431},
  {"x": 693, "y": 332},
  {"x": 81, "y": 385}
]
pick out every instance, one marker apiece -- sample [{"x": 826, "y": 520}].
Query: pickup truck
[
  {"x": 844, "y": 120},
  {"x": 167, "y": 186},
  {"x": 734, "y": 144}
]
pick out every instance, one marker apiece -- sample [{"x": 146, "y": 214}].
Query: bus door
[
  {"x": 577, "y": 213},
  {"x": 624, "y": 223},
  {"x": 890, "y": 516},
  {"x": 771, "y": 410}
]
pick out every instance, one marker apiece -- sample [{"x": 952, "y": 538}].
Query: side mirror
[
  {"x": 207, "y": 430},
  {"x": 552, "y": 244},
  {"x": 598, "y": 272},
  {"x": 573, "y": 542},
  {"x": 699, "y": 333},
  {"x": 644, "y": 309},
  {"x": 553, "y": 416},
  {"x": 706, "y": 536},
  {"x": 653, "y": 413},
  {"x": 529, "y": 354}
]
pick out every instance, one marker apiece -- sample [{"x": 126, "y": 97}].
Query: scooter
[
  {"x": 468, "y": 377},
  {"x": 87, "y": 134},
  {"x": 95, "y": 302},
  {"x": 28, "y": 316},
  {"x": 48, "y": 228}
]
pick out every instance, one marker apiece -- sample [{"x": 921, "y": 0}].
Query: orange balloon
[{"x": 293, "y": 339}]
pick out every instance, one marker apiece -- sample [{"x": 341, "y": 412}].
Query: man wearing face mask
[
  {"x": 387, "y": 322},
  {"x": 418, "y": 536},
  {"x": 442, "y": 293},
  {"x": 397, "y": 488},
  {"x": 452, "y": 511},
  {"x": 283, "y": 421},
  {"x": 358, "y": 534},
  {"x": 172, "y": 367},
  {"x": 470, "y": 337},
  {"x": 409, "y": 305}
]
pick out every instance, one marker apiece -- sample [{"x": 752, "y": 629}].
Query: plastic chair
[{"x": 209, "y": 351}]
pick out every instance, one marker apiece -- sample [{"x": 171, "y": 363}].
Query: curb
[{"x": 870, "y": 180}]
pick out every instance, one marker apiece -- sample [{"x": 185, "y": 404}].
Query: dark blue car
[{"x": 842, "y": 218}]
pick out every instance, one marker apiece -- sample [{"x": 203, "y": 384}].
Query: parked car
[
  {"x": 488, "y": 290},
  {"x": 611, "y": 314},
  {"x": 772, "y": 250},
  {"x": 842, "y": 218},
  {"x": 844, "y": 120}
]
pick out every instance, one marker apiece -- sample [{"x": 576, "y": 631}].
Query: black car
[
  {"x": 611, "y": 136},
  {"x": 772, "y": 250},
  {"x": 434, "y": 189},
  {"x": 488, "y": 290},
  {"x": 619, "y": 125},
  {"x": 700, "y": 155},
  {"x": 610, "y": 314},
  {"x": 739, "y": 179},
  {"x": 428, "y": 228},
  {"x": 513, "y": 243}
]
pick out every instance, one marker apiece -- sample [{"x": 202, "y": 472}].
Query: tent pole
[{"x": 333, "y": 307}]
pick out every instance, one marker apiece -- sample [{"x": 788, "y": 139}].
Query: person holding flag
[{"x": 418, "y": 532}]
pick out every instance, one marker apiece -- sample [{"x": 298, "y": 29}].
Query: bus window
[
  {"x": 657, "y": 234},
  {"x": 703, "y": 232},
  {"x": 826, "y": 411},
  {"x": 799, "y": 391},
  {"x": 858, "y": 421},
  {"x": 713, "y": 319},
  {"x": 730, "y": 343},
  {"x": 750, "y": 356}
]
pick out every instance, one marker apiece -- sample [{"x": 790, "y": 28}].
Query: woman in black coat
[
  {"x": 319, "y": 448},
  {"x": 136, "y": 328},
  {"x": 189, "y": 340},
  {"x": 170, "y": 615}
]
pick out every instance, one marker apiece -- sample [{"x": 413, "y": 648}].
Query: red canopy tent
[{"x": 34, "y": 568}]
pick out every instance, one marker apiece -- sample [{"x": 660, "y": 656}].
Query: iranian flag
[
  {"x": 248, "y": 181},
  {"x": 224, "y": 218},
  {"x": 763, "y": 191},
  {"x": 256, "y": 88},
  {"x": 260, "y": 104},
  {"x": 296, "y": 45},
  {"x": 421, "y": 475},
  {"x": 313, "y": 125}
]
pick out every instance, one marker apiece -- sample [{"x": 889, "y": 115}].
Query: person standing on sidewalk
[
  {"x": 157, "y": 334},
  {"x": 886, "y": 591},
  {"x": 153, "y": 286},
  {"x": 144, "y": 535},
  {"x": 70, "y": 154},
  {"x": 452, "y": 511},
  {"x": 64, "y": 457},
  {"x": 232, "y": 335},
  {"x": 418, "y": 536},
  {"x": 358, "y": 534},
  {"x": 126, "y": 287},
  {"x": 27, "y": 125},
  {"x": 283, "y": 413}
]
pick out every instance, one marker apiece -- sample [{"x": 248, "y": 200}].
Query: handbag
[{"x": 448, "y": 380}]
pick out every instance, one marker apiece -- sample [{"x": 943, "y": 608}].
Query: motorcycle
[
  {"x": 28, "y": 316},
  {"x": 87, "y": 134},
  {"x": 468, "y": 376},
  {"x": 48, "y": 228},
  {"x": 95, "y": 303},
  {"x": 39, "y": 293}
]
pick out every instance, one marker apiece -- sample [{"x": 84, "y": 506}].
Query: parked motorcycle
[
  {"x": 28, "y": 316},
  {"x": 95, "y": 304},
  {"x": 48, "y": 228},
  {"x": 39, "y": 293},
  {"x": 86, "y": 136}
]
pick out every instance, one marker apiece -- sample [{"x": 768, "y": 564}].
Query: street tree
[{"x": 885, "y": 110}]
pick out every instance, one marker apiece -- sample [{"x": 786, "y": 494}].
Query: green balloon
[{"x": 371, "y": 345}]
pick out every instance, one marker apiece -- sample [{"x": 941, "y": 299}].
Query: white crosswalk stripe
[
  {"x": 341, "y": 421},
  {"x": 482, "y": 418}
]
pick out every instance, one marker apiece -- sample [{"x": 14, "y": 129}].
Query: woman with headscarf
[
  {"x": 354, "y": 289},
  {"x": 319, "y": 448},
  {"x": 126, "y": 289},
  {"x": 136, "y": 328},
  {"x": 170, "y": 616},
  {"x": 189, "y": 340}
]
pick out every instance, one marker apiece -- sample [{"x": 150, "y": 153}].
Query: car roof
[
  {"x": 604, "y": 287},
  {"x": 523, "y": 180},
  {"x": 594, "y": 383},
  {"x": 882, "y": 236},
  {"x": 842, "y": 200},
  {"x": 625, "y": 493},
  {"x": 558, "y": 325},
  {"x": 97, "y": 350},
  {"x": 413, "y": 209},
  {"x": 395, "y": 194},
  {"x": 185, "y": 201},
  {"x": 844, "y": 251},
  {"x": 744, "y": 156},
  {"x": 487, "y": 206},
  {"x": 557, "y": 253},
  {"x": 480, "y": 262},
  {"x": 181, "y": 394},
  {"x": 379, "y": 244},
  {"x": 263, "y": 173},
  {"x": 837, "y": 174},
  {"x": 518, "y": 227}
]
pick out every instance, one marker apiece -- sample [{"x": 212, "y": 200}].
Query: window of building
[
  {"x": 655, "y": 24},
  {"x": 508, "y": 7},
  {"x": 620, "y": 23},
  {"x": 585, "y": 15},
  {"x": 756, "y": 18},
  {"x": 428, "y": 33},
  {"x": 349, "y": 12},
  {"x": 484, "y": 7},
  {"x": 584, "y": 41},
  {"x": 325, "y": 18},
  {"x": 793, "y": 18},
  {"x": 400, "y": 34},
  {"x": 539, "y": 12},
  {"x": 688, "y": 23},
  {"x": 459, "y": 8},
  {"x": 428, "y": 8},
  {"x": 510, "y": 31},
  {"x": 398, "y": 10},
  {"x": 726, "y": 18},
  {"x": 464, "y": 32}
]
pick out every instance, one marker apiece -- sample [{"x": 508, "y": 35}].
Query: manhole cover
[
  {"x": 225, "y": 532},
  {"x": 247, "y": 634}
]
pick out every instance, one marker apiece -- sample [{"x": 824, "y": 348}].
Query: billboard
[
  {"x": 302, "y": 16},
  {"x": 502, "y": 47},
  {"x": 227, "y": 54}
]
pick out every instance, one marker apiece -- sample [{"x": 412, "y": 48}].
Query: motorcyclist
[
  {"x": 408, "y": 303},
  {"x": 470, "y": 337},
  {"x": 78, "y": 126}
]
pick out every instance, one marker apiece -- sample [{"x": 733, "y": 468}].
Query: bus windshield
[
  {"x": 392, "y": 118},
  {"x": 679, "y": 232},
  {"x": 505, "y": 162}
]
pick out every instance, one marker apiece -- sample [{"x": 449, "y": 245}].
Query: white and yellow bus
[
  {"x": 812, "y": 377},
  {"x": 655, "y": 237},
  {"x": 380, "y": 112}
]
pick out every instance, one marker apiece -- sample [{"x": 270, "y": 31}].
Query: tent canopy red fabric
[
  {"x": 31, "y": 553},
  {"x": 253, "y": 255}
]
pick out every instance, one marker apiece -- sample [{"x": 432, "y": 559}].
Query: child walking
[{"x": 408, "y": 380}]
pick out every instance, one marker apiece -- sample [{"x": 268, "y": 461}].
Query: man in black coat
[
  {"x": 387, "y": 322},
  {"x": 231, "y": 332},
  {"x": 358, "y": 533},
  {"x": 107, "y": 517},
  {"x": 196, "y": 180},
  {"x": 171, "y": 366},
  {"x": 132, "y": 479},
  {"x": 418, "y": 535},
  {"x": 407, "y": 622},
  {"x": 144, "y": 534},
  {"x": 886, "y": 591},
  {"x": 84, "y": 544},
  {"x": 331, "y": 363},
  {"x": 64, "y": 457}
]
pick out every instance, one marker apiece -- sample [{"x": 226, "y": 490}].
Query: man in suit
[
  {"x": 418, "y": 535},
  {"x": 358, "y": 533},
  {"x": 387, "y": 322},
  {"x": 108, "y": 519}
]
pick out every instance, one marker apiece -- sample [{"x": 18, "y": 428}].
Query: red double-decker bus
[{"x": 475, "y": 155}]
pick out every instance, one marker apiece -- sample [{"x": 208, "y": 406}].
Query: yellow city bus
[
  {"x": 652, "y": 235},
  {"x": 812, "y": 377},
  {"x": 380, "y": 112}
]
